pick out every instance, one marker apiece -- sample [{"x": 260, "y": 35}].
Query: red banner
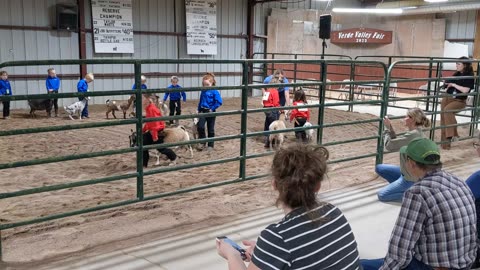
[{"x": 361, "y": 35}]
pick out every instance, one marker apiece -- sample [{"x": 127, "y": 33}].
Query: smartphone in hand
[{"x": 234, "y": 245}]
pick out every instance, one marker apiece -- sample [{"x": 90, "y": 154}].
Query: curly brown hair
[{"x": 297, "y": 172}]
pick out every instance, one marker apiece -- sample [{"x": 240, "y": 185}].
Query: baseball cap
[{"x": 422, "y": 150}]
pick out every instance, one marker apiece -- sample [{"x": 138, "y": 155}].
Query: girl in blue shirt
[
  {"x": 5, "y": 90},
  {"x": 210, "y": 101},
  {"x": 53, "y": 84}
]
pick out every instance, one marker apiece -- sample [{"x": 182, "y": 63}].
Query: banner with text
[
  {"x": 361, "y": 35},
  {"x": 201, "y": 18},
  {"x": 112, "y": 26}
]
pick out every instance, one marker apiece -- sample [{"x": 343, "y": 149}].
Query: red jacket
[
  {"x": 300, "y": 113},
  {"x": 156, "y": 126},
  {"x": 271, "y": 98}
]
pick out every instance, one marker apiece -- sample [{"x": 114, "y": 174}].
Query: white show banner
[
  {"x": 112, "y": 26},
  {"x": 201, "y": 16}
]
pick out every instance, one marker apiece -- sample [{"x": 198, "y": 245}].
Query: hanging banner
[
  {"x": 201, "y": 16},
  {"x": 361, "y": 35},
  {"x": 112, "y": 26}
]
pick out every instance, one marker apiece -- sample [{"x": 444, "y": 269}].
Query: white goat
[
  {"x": 119, "y": 105},
  {"x": 309, "y": 132},
  {"x": 76, "y": 107},
  {"x": 193, "y": 127},
  {"x": 277, "y": 125}
]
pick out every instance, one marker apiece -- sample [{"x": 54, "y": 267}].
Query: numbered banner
[
  {"x": 201, "y": 16},
  {"x": 112, "y": 26}
]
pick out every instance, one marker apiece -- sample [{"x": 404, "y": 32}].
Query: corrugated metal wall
[
  {"x": 461, "y": 25},
  {"x": 148, "y": 15}
]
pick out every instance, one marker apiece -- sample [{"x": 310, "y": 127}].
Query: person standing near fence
[
  {"x": 5, "y": 90},
  {"x": 143, "y": 80},
  {"x": 82, "y": 87},
  {"x": 270, "y": 100},
  {"x": 210, "y": 101},
  {"x": 397, "y": 176},
  {"x": 282, "y": 91},
  {"x": 175, "y": 98},
  {"x": 301, "y": 115},
  {"x": 452, "y": 104},
  {"x": 53, "y": 84}
]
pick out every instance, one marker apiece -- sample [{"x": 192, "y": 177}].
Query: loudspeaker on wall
[
  {"x": 325, "y": 26},
  {"x": 67, "y": 17}
]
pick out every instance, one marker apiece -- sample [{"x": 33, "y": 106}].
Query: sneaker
[
  {"x": 6, "y": 117},
  {"x": 173, "y": 163},
  {"x": 210, "y": 149},
  {"x": 455, "y": 139}
]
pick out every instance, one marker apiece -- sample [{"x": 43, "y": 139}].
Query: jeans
[
  {"x": 55, "y": 102},
  {"x": 6, "y": 108},
  {"x": 397, "y": 185},
  {"x": 85, "y": 110},
  {"x": 210, "y": 121},
  {"x": 269, "y": 118},
  {"x": 377, "y": 263},
  {"x": 175, "y": 106}
]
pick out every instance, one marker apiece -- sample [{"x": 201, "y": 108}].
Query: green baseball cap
[{"x": 422, "y": 150}]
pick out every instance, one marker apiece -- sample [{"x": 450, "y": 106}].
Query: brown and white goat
[
  {"x": 119, "y": 105},
  {"x": 277, "y": 125}
]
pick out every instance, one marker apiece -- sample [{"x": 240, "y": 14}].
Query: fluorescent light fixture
[
  {"x": 435, "y": 1},
  {"x": 369, "y": 10}
]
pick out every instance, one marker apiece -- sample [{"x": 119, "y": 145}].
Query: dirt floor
[{"x": 137, "y": 223}]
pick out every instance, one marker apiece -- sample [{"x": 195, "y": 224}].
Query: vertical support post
[
  {"x": 138, "y": 109},
  {"x": 250, "y": 22},
  {"x": 1, "y": 254},
  {"x": 273, "y": 63},
  {"x": 430, "y": 67},
  {"x": 351, "y": 91},
  {"x": 383, "y": 112},
  {"x": 474, "y": 125},
  {"x": 295, "y": 72},
  {"x": 435, "y": 102},
  {"x": 82, "y": 43},
  {"x": 243, "y": 121},
  {"x": 321, "y": 102}
]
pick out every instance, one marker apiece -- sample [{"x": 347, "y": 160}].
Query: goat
[
  {"x": 193, "y": 127},
  {"x": 119, "y": 105},
  {"x": 161, "y": 105},
  {"x": 40, "y": 105},
  {"x": 277, "y": 125},
  {"x": 76, "y": 107},
  {"x": 177, "y": 134},
  {"x": 309, "y": 132}
]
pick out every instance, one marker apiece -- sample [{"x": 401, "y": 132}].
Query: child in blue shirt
[
  {"x": 210, "y": 101},
  {"x": 175, "y": 104},
  {"x": 134, "y": 87},
  {"x": 82, "y": 87},
  {"x": 53, "y": 84},
  {"x": 5, "y": 90}
]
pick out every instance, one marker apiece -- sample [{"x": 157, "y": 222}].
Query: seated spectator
[
  {"x": 436, "y": 227},
  {"x": 398, "y": 179},
  {"x": 313, "y": 234}
]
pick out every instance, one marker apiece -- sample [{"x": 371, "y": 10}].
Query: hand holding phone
[{"x": 234, "y": 245}]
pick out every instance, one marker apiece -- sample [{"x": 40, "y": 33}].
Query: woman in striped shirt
[{"x": 313, "y": 234}]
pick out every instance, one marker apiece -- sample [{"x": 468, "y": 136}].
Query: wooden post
[{"x": 81, "y": 36}]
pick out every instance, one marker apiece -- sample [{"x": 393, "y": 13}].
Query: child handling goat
[
  {"x": 300, "y": 115},
  {"x": 82, "y": 87},
  {"x": 175, "y": 99},
  {"x": 151, "y": 132},
  {"x": 270, "y": 100}
]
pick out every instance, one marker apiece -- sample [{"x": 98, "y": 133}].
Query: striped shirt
[
  {"x": 436, "y": 225},
  {"x": 298, "y": 243}
]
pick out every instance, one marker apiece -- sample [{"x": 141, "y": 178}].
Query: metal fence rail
[{"x": 383, "y": 102}]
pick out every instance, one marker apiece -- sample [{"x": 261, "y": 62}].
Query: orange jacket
[
  {"x": 271, "y": 98},
  {"x": 156, "y": 126},
  {"x": 300, "y": 113}
]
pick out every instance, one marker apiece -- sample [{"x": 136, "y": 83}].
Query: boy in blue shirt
[
  {"x": 210, "y": 101},
  {"x": 5, "y": 90},
  {"x": 82, "y": 87},
  {"x": 53, "y": 84},
  {"x": 175, "y": 104}
]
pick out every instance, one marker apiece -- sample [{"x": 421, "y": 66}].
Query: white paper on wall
[
  {"x": 454, "y": 50},
  {"x": 112, "y": 26},
  {"x": 201, "y": 17}
]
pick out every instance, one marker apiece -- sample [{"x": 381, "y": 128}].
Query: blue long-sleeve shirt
[
  {"x": 210, "y": 99},
  {"x": 82, "y": 86},
  {"x": 144, "y": 86},
  {"x": 175, "y": 95},
  {"x": 5, "y": 88},
  {"x": 52, "y": 83},
  {"x": 280, "y": 89}
]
